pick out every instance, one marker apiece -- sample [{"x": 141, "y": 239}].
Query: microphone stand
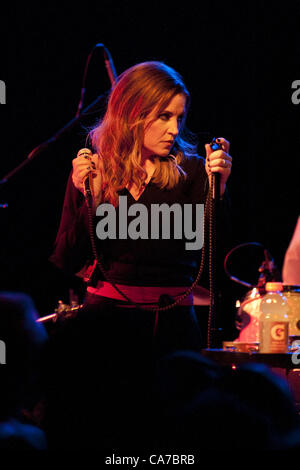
[
  {"x": 44, "y": 145},
  {"x": 213, "y": 331}
]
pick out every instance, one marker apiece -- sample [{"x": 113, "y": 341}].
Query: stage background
[{"x": 238, "y": 59}]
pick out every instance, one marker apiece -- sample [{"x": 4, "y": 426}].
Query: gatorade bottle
[{"x": 274, "y": 320}]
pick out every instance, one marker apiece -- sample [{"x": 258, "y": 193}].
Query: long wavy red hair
[{"x": 119, "y": 136}]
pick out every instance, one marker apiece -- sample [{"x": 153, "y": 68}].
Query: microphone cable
[{"x": 99, "y": 262}]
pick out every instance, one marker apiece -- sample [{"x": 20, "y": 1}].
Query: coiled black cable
[{"x": 157, "y": 309}]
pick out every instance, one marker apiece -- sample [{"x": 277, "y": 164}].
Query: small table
[
  {"x": 285, "y": 362},
  {"x": 234, "y": 358}
]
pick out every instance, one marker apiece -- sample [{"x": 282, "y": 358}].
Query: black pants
[
  {"x": 177, "y": 328},
  {"x": 101, "y": 368}
]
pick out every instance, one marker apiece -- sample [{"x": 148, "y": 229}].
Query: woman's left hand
[{"x": 219, "y": 161}]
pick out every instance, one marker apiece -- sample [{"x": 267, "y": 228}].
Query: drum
[{"x": 247, "y": 320}]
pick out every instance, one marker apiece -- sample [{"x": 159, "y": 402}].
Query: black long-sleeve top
[{"x": 141, "y": 262}]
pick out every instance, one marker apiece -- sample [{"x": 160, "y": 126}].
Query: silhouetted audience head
[
  {"x": 23, "y": 342},
  {"x": 200, "y": 405},
  {"x": 180, "y": 377},
  {"x": 267, "y": 393}
]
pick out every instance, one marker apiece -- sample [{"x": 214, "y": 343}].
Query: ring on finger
[{"x": 84, "y": 155}]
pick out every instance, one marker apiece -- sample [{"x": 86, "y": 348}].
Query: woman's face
[{"x": 161, "y": 130}]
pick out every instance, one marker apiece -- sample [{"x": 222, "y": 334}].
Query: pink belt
[{"x": 140, "y": 294}]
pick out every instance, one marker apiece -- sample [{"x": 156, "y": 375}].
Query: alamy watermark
[
  {"x": 2, "y": 92},
  {"x": 2, "y": 352},
  {"x": 160, "y": 222},
  {"x": 296, "y": 94}
]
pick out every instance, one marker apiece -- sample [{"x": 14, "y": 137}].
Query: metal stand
[
  {"x": 213, "y": 331},
  {"x": 44, "y": 145}
]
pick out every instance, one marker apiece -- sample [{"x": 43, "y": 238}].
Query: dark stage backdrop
[{"x": 239, "y": 61}]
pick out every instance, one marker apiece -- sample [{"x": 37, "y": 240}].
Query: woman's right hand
[{"x": 86, "y": 162}]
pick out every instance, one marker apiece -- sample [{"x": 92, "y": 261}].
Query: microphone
[
  {"x": 215, "y": 177},
  {"x": 109, "y": 66},
  {"x": 87, "y": 182},
  {"x": 271, "y": 267},
  {"x": 269, "y": 271}
]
